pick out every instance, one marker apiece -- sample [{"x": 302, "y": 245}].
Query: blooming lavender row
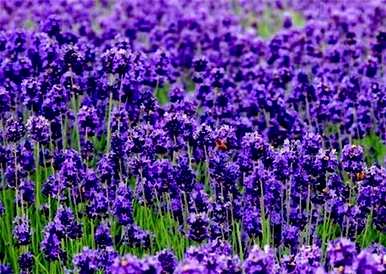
[{"x": 175, "y": 136}]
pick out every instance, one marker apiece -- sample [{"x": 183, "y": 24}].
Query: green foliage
[
  {"x": 331, "y": 129},
  {"x": 29, "y": 24},
  {"x": 271, "y": 22},
  {"x": 298, "y": 19},
  {"x": 374, "y": 148},
  {"x": 165, "y": 229},
  {"x": 161, "y": 94}
]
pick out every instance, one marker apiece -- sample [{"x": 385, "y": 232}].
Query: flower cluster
[{"x": 192, "y": 136}]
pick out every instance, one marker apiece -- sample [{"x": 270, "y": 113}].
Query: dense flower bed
[{"x": 192, "y": 136}]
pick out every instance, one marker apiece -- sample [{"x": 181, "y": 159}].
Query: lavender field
[{"x": 192, "y": 136}]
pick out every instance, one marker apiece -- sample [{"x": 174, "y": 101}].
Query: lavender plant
[{"x": 175, "y": 136}]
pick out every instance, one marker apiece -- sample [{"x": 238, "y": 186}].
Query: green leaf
[
  {"x": 374, "y": 148},
  {"x": 298, "y": 19},
  {"x": 162, "y": 94}
]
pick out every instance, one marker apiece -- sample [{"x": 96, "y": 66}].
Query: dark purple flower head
[
  {"x": 38, "y": 129},
  {"x": 167, "y": 260},
  {"x": 54, "y": 103},
  {"x": 260, "y": 261},
  {"x": 5, "y": 100},
  {"x": 122, "y": 209},
  {"x": 54, "y": 186},
  {"x": 200, "y": 64},
  {"x": 73, "y": 59},
  {"x": 190, "y": 267},
  {"x": 51, "y": 246},
  {"x": 106, "y": 257},
  {"x": 66, "y": 219},
  {"x": 312, "y": 143},
  {"x": 255, "y": 146},
  {"x": 102, "y": 236},
  {"x": 150, "y": 265},
  {"x": 26, "y": 192},
  {"x": 116, "y": 60},
  {"x": 307, "y": 260},
  {"x": 251, "y": 221},
  {"x": 203, "y": 135},
  {"x": 161, "y": 63},
  {"x": 88, "y": 119},
  {"x": 176, "y": 94},
  {"x": 353, "y": 159},
  {"x": 14, "y": 130},
  {"x": 126, "y": 264},
  {"x": 5, "y": 269},
  {"x": 290, "y": 236},
  {"x": 26, "y": 262},
  {"x": 86, "y": 262},
  {"x": 198, "y": 226},
  {"x": 2, "y": 210},
  {"x": 341, "y": 254},
  {"x": 287, "y": 22},
  {"x": 178, "y": 124},
  {"x": 21, "y": 231},
  {"x": 199, "y": 200},
  {"x": 135, "y": 236},
  {"x": 32, "y": 93},
  {"x": 368, "y": 262},
  {"x": 98, "y": 204}
]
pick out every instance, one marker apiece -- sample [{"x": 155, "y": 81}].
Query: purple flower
[
  {"x": 26, "y": 262},
  {"x": 38, "y": 129},
  {"x": 341, "y": 254},
  {"x": 290, "y": 236},
  {"x": 98, "y": 204},
  {"x": 106, "y": 257},
  {"x": 102, "y": 236},
  {"x": 2, "y": 209},
  {"x": 167, "y": 260},
  {"x": 21, "y": 230},
  {"x": 251, "y": 221},
  {"x": 190, "y": 267},
  {"x": 122, "y": 210},
  {"x": 5, "y": 100},
  {"x": 352, "y": 159},
  {"x": 126, "y": 264},
  {"x": 368, "y": 262},
  {"x": 88, "y": 119},
  {"x": 26, "y": 192},
  {"x": 307, "y": 260},
  {"x": 70, "y": 227},
  {"x": 14, "y": 130},
  {"x": 135, "y": 236},
  {"x": 86, "y": 262},
  {"x": 198, "y": 226},
  {"x": 54, "y": 186},
  {"x": 260, "y": 261},
  {"x": 51, "y": 247},
  {"x": 5, "y": 269}
]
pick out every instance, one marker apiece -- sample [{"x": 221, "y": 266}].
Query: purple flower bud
[
  {"x": 14, "y": 130},
  {"x": 26, "y": 262},
  {"x": 260, "y": 261},
  {"x": 198, "y": 227},
  {"x": 5, "y": 269},
  {"x": 102, "y": 236},
  {"x": 38, "y": 129},
  {"x": 341, "y": 254},
  {"x": 167, "y": 260},
  {"x": 352, "y": 159},
  {"x": 21, "y": 230},
  {"x": 86, "y": 262}
]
